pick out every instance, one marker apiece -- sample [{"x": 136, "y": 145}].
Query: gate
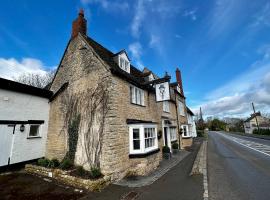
[{"x": 6, "y": 140}]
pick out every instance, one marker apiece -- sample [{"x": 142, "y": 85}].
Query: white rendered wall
[{"x": 23, "y": 107}]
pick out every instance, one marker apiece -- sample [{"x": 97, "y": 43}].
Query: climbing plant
[
  {"x": 73, "y": 129},
  {"x": 84, "y": 120}
]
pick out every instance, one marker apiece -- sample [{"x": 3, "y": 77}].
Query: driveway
[{"x": 238, "y": 167}]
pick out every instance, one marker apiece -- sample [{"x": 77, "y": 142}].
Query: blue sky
[{"x": 221, "y": 46}]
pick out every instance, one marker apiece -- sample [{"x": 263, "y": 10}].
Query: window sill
[
  {"x": 186, "y": 137},
  {"x": 166, "y": 111},
  {"x": 138, "y": 105},
  {"x": 143, "y": 155},
  {"x": 33, "y": 137}
]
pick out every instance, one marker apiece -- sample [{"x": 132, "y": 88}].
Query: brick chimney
[
  {"x": 179, "y": 80},
  {"x": 79, "y": 25}
]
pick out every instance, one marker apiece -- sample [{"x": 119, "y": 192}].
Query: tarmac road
[{"x": 238, "y": 167}]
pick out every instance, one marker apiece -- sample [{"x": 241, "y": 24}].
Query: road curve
[{"x": 238, "y": 168}]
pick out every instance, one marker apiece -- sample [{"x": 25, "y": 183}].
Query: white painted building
[
  {"x": 251, "y": 123},
  {"x": 191, "y": 124},
  {"x": 24, "y": 114}
]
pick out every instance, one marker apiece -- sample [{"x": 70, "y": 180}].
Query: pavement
[
  {"x": 175, "y": 184},
  {"x": 164, "y": 167},
  {"x": 238, "y": 168}
]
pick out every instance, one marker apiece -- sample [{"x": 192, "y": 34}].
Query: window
[
  {"x": 173, "y": 133},
  {"x": 136, "y": 95},
  {"x": 34, "y": 131},
  {"x": 143, "y": 138},
  {"x": 124, "y": 64},
  {"x": 136, "y": 138},
  {"x": 181, "y": 108},
  {"x": 185, "y": 131},
  {"x": 149, "y": 137},
  {"x": 166, "y": 106}
]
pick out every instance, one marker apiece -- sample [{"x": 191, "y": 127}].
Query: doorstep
[{"x": 164, "y": 166}]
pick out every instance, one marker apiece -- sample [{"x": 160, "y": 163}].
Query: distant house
[
  {"x": 250, "y": 124},
  {"x": 191, "y": 124},
  {"x": 24, "y": 116}
]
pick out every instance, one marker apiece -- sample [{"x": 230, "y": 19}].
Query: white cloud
[
  {"x": 11, "y": 68},
  {"x": 138, "y": 18},
  {"x": 235, "y": 97},
  {"x": 191, "y": 14},
  {"x": 136, "y": 52}
]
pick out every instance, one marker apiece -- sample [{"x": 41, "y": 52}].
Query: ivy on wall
[{"x": 73, "y": 134}]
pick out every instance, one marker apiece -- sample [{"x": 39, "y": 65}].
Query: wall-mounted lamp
[{"x": 22, "y": 127}]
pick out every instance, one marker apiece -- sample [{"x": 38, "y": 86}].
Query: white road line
[{"x": 246, "y": 145}]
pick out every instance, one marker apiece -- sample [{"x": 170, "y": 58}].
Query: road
[{"x": 238, "y": 167}]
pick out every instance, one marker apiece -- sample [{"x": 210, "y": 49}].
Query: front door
[{"x": 165, "y": 136}]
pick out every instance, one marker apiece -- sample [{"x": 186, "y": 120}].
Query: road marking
[{"x": 264, "y": 149}]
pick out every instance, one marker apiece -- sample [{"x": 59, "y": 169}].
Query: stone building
[{"x": 104, "y": 112}]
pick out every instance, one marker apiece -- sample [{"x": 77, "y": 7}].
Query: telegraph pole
[{"x": 255, "y": 117}]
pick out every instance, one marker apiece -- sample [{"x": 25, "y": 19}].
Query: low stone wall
[
  {"x": 144, "y": 166},
  {"x": 64, "y": 177},
  {"x": 186, "y": 142}
]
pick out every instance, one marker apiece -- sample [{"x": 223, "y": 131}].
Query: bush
[
  {"x": 261, "y": 132},
  {"x": 166, "y": 149},
  {"x": 53, "y": 163},
  {"x": 66, "y": 164},
  {"x": 81, "y": 171},
  {"x": 175, "y": 145},
  {"x": 95, "y": 172},
  {"x": 44, "y": 162},
  {"x": 200, "y": 133}
]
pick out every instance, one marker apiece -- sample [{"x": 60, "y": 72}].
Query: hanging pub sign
[{"x": 162, "y": 91}]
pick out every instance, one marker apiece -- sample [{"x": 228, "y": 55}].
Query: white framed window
[
  {"x": 34, "y": 130},
  {"x": 185, "y": 132},
  {"x": 142, "y": 138},
  {"x": 181, "y": 108},
  {"x": 166, "y": 106},
  {"x": 173, "y": 133},
  {"x": 124, "y": 64},
  {"x": 136, "y": 95}
]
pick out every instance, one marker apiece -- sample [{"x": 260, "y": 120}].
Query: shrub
[
  {"x": 81, "y": 171},
  {"x": 95, "y": 172},
  {"x": 200, "y": 133},
  {"x": 175, "y": 145},
  {"x": 44, "y": 162},
  {"x": 166, "y": 149},
  {"x": 261, "y": 132},
  {"x": 53, "y": 163},
  {"x": 66, "y": 164}
]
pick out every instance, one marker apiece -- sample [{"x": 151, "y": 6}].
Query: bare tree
[{"x": 35, "y": 79}]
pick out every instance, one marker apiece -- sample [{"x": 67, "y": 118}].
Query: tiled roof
[{"x": 135, "y": 76}]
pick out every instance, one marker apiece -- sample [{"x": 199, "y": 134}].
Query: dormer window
[
  {"x": 124, "y": 64},
  {"x": 122, "y": 60}
]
